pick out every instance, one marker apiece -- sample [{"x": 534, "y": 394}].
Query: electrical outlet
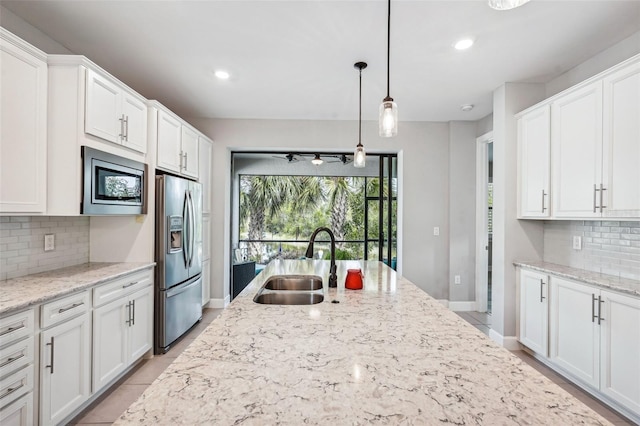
[
  {"x": 436, "y": 231},
  {"x": 456, "y": 279},
  {"x": 577, "y": 242},
  {"x": 49, "y": 242}
]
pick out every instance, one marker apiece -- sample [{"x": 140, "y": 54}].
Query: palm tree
[{"x": 339, "y": 190}]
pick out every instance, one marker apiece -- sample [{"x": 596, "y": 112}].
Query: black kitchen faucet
[{"x": 333, "y": 279}]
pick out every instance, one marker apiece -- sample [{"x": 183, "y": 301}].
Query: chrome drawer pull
[
  {"x": 10, "y": 360},
  {"x": 11, "y": 329},
  {"x": 130, "y": 284},
  {"x": 12, "y": 390},
  {"x": 75, "y": 305},
  {"x": 541, "y": 295},
  {"x": 52, "y": 348}
]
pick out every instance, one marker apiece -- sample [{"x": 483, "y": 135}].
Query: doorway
[{"x": 484, "y": 221}]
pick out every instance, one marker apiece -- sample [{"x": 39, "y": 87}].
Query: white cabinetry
[
  {"x": 114, "y": 114},
  {"x": 19, "y": 413},
  {"x": 23, "y": 127},
  {"x": 621, "y": 143},
  {"x": 65, "y": 360},
  {"x": 534, "y": 311},
  {"x": 576, "y": 141},
  {"x": 534, "y": 140},
  {"x": 177, "y": 143},
  {"x": 122, "y": 325},
  {"x": 189, "y": 152},
  {"x": 205, "y": 156}
]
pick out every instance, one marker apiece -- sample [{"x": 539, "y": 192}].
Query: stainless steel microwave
[{"x": 112, "y": 185}]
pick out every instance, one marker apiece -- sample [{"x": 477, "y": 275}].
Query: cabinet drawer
[
  {"x": 16, "y": 326},
  {"x": 19, "y": 413},
  {"x": 65, "y": 308},
  {"x": 16, "y": 356},
  {"x": 16, "y": 385},
  {"x": 122, "y": 286}
]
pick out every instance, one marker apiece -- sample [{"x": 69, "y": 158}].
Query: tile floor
[
  {"x": 482, "y": 322},
  {"x": 109, "y": 406}
]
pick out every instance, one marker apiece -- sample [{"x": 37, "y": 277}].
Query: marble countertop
[
  {"x": 387, "y": 354},
  {"x": 622, "y": 285},
  {"x": 23, "y": 292}
]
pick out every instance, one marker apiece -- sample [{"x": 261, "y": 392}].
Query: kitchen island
[{"x": 388, "y": 353}]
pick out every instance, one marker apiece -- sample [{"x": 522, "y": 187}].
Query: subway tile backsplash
[
  {"x": 609, "y": 247},
  {"x": 22, "y": 244}
]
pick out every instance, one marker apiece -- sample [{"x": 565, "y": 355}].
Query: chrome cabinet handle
[
  {"x": 11, "y": 360},
  {"x": 602, "y": 189},
  {"x": 544, "y": 194},
  {"x": 12, "y": 390},
  {"x": 121, "y": 119},
  {"x": 600, "y": 302},
  {"x": 52, "y": 350},
  {"x": 128, "y": 320},
  {"x": 593, "y": 308},
  {"x": 541, "y": 295},
  {"x": 75, "y": 305},
  {"x": 130, "y": 284},
  {"x": 126, "y": 128},
  {"x": 133, "y": 312},
  {"x": 181, "y": 156},
  {"x": 595, "y": 197},
  {"x": 11, "y": 330},
  {"x": 185, "y": 160}
]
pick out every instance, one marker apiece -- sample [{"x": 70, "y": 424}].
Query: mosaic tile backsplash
[{"x": 609, "y": 247}]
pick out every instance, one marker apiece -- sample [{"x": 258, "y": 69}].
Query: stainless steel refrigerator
[{"x": 178, "y": 295}]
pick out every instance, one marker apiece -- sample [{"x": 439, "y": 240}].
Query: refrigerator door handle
[
  {"x": 192, "y": 225},
  {"x": 185, "y": 229}
]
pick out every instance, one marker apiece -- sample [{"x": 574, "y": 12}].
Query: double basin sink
[{"x": 290, "y": 290}]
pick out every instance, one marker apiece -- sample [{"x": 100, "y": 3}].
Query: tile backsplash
[
  {"x": 22, "y": 244},
  {"x": 609, "y": 247}
]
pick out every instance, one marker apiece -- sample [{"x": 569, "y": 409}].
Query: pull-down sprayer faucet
[{"x": 333, "y": 279}]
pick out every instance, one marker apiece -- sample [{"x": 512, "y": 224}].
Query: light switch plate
[
  {"x": 456, "y": 279},
  {"x": 49, "y": 242},
  {"x": 577, "y": 242},
  {"x": 436, "y": 231}
]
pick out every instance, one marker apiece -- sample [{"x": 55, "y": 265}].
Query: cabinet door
[
  {"x": 575, "y": 334},
  {"x": 206, "y": 237},
  {"x": 621, "y": 143},
  {"x": 19, "y": 413},
  {"x": 169, "y": 133},
  {"x": 534, "y": 143},
  {"x": 103, "y": 116},
  {"x": 23, "y": 131},
  {"x": 109, "y": 342},
  {"x": 135, "y": 126},
  {"x": 206, "y": 282},
  {"x": 141, "y": 325},
  {"x": 620, "y": 349},
  {"x": 65, "y": 365},
  {"x": 189, "y": 152},
  {"x": 576, "y": 144},
  {"x": 204, "y": 172},
  {"x": 534, "y": 311}
]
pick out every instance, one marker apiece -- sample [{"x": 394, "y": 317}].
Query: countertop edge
[
  {"x": 73, "y": 288},
  {"x": 609, "y": 282}
]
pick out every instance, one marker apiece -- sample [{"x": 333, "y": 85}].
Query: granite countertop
[
  {"x": 386, "y": 354},
  {"x": 622, "y": 285},
  {"x": 23, "y": 292}
]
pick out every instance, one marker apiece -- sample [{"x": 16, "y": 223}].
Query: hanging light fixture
[
  {"x": 506, "y": 4},
  {"x": 388, "y": 119},
  {"x": 359, "y": 156},
  {"x": 317, "y": 160}
]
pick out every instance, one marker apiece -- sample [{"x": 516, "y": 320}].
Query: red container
[{"x": 354, "y": 279}]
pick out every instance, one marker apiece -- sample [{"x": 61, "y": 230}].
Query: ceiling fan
[
  {"x": 291, "y": 158},
  {"x": 316, "y": 158}
]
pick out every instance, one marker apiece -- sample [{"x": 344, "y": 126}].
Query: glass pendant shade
[
  {"x": 359, "y": 157},
  {"x": 388, "y": 119},
  {"x": 506, "y": 4}
]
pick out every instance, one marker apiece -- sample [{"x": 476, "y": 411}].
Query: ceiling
[{"x": 294, "y": 59}]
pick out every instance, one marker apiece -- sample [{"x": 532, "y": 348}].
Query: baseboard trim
[
  {"x": 463, "y": 306},
  {"x": 508, "y": 342},
  {"x": 219, "y": 303},
  {"x": 443, "y": 302}
]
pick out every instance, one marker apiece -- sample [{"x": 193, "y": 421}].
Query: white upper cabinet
[
  {"x": 177, "y": 144},
  {"x": 534, "y": 138},
  {"x": 576, "y": 140},
  {"x": 189, "y": 152},
  {"x": 621, "y": 143},
  {"x": 204, "y": 172},
  {"x": 23, "y": 127},
  {"x": 114, "y": 114}
]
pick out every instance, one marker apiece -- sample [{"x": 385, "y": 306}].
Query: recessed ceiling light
[
  {"x": 222, "y": 75},
  {"x": 467, "y": 107},
  {"x": 463, "y": 44}
]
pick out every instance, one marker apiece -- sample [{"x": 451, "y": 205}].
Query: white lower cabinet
[
  {"x": 19, "y": 413},
  {"x": 65, "y": 368},
  {"x": 122, "y": 333},
  {"x": 595, "y": 337},
  {"x": 534, "y": 311}
]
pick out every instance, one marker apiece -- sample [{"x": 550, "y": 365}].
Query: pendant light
[
  {"x": 506, "y": 4},
  {"x": 388, "y": 119},
  {"x": 359, "y": 156}
]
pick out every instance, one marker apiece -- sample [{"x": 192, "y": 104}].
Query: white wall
[
  {"x": 462, "y": 202},
  {"x": 30, "y": 34},
  {"x": 423, "y": 166}
]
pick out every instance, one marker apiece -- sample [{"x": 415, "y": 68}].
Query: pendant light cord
[
  {"x": 360, "y": 111},
  {"x": 388, "y": 42}
]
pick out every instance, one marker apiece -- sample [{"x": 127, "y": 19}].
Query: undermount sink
[
  {"x": 291, "y": 290},
  {"x": 294, "y": 282}
]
